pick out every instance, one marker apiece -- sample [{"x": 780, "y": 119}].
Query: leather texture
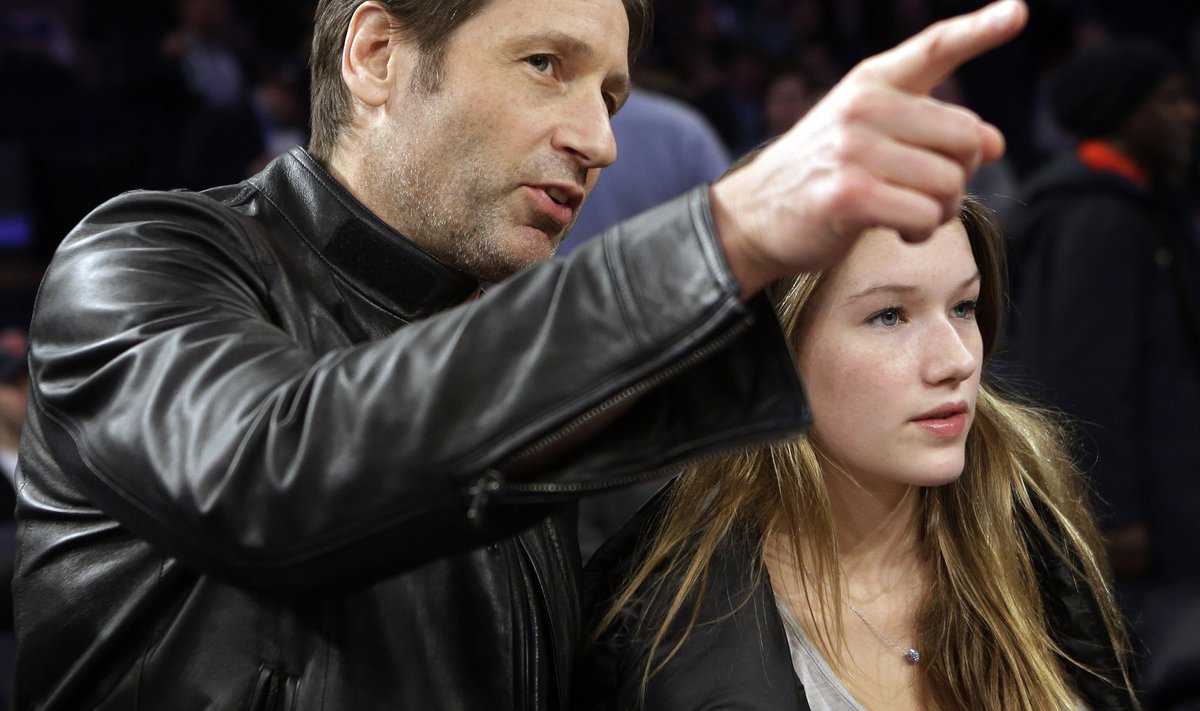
[{"x": 274, "y": 461}]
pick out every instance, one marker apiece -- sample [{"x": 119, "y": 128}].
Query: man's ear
[{"x": 374, "y": 51}]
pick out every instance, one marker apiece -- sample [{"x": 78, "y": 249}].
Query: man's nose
[{"x": 586, "y": 133}]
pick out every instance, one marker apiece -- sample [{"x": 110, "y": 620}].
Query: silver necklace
[{"x": 912, "y": 655}]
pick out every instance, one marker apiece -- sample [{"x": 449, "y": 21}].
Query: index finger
[{"x": 927, "y": 58}]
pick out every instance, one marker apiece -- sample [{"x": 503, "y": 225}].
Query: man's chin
[
  {"x": 516, "y": 258},
  {"x": 536, "y": 243}
]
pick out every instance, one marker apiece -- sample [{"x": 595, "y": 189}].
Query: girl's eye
[
  {"x": 540, "y": 62},
  {"x": 964, "y": 310},
  {"x": 888, "y": 317}
]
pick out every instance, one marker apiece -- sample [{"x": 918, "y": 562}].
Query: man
[
  {"x": 282, "y": 454},
  {"x": 1107, "y": 298}
]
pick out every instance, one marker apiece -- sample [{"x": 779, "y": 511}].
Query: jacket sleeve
[{"x": 167, "y": 392}]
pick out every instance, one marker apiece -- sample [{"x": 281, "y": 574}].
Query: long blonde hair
[{"x": 1019, "y": 500}]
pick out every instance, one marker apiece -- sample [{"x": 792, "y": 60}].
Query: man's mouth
[
  {"x": 556, "y": 202},
  {"x": 562, "y": 194}
]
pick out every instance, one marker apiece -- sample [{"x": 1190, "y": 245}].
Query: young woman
[{"x": 927, "y": 546}]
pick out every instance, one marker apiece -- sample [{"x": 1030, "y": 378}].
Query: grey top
[{"x": 822, "y": 687}]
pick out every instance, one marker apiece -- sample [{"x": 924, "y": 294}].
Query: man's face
[
  {"x": 489, "y": 169},
  {"x": 1160, "y": 133}
]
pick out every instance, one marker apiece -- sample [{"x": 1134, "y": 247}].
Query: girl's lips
[{"x": 948, "y": 426}]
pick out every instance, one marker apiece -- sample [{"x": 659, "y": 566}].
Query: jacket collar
[
  {"x": 1102, "y": 157},
  {"x": 357, "y": 244}
]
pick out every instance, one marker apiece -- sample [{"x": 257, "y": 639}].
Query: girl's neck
[
  {"x": 883, "y": 578},
  {"x": 877, "y": 534}
]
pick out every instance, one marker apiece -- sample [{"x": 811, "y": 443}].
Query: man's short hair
[{"x": 428, "y": 22}]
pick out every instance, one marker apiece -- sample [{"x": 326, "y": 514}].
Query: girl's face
[{"x": 890, "y": 355}]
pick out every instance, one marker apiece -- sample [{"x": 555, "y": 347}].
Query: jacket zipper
[
  {"x": 270, "y": 690},
  {"x": 537, "y": 615}
]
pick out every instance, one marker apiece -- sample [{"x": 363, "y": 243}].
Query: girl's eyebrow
[
  {"x": 904, "y": 288},
  {"x": 882, "y": 289}
]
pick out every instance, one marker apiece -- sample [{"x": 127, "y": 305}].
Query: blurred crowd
[{"x": 105, "y": 97}]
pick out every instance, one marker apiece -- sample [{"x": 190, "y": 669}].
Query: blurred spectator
[
  {"x": 14, "y": 394},
  {"x": 38, "y": 27},
  {"x": 776, "y": 26},
  {"x": 224, "y": 144},
  {"x": 39, "y": 86},
  {"x": 1107, "y": 320},
  {"x": 202, "y": 47},
  {"x": 664, "y": 147},
  {"x": 789, "y": 94},
  {"x": 197, "y": 71},
  {"x": 728, "y": 90},
  {"x": 1048, "y": 134},
  {"x": 14, "y": 387}
]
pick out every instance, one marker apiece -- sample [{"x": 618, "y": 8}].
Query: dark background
[{"x": 94, "y": 99}]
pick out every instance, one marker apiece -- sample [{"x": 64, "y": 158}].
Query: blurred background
[{"x": 102, "y": 97}]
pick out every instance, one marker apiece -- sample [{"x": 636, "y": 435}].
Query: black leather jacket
[{"x": 259, "y": 473}]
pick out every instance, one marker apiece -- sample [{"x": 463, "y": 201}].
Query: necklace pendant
[{"x": 913, "y": 656}]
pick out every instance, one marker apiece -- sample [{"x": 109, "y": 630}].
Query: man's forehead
[
  {"x": 564, "y": 16},
  {"x": 592, "y": 30}
]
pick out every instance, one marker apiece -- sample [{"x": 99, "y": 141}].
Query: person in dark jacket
[
  {"x": 283, "y": 452},
  {"x": 1106, "y": 326},
  {"x": 14, "y": 401},
  {"x": 928, "y": 545}
]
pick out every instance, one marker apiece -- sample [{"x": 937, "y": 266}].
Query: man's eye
[{"x": 540, "y": 62}]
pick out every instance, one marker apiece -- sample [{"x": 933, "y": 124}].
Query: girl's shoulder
[{"x": 726, "y": 647}]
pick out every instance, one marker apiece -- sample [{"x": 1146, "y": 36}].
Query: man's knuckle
[
  {"x": 847, "y": 191},
  {"x": 847, "y": 146},
  {"x": 858, "y": 104}
]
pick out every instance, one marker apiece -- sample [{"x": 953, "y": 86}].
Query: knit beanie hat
[{"x": 1095, "y": 91}]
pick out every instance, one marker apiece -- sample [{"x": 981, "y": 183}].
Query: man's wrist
[{"x": 744, "y": 264}]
